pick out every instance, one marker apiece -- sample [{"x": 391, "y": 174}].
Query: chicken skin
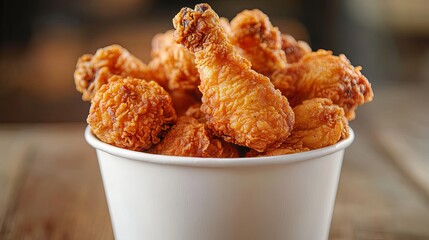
[
  {"x": 241, "y": 105},
  {"x": 224, "y": 23},
  {"x": 294, "y": 49},
  {"x": 93, "y": 71},
  {"x": 174, "y": 64},
  {"x": 323, "y": 75},
  {"x": 258, "y": 41},
  {"x": 131, "y": 113},
  {"x": 183, "y": 100},
  {"x": 318, "y": 123},
  {"x": 190, "y": 138},
  {"x": 195, "y": 112}
]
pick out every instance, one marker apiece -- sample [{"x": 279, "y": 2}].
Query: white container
[{"x": 158, "y": 197}]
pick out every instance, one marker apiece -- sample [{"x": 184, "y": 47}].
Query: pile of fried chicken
[{"x": 219, "y": 88}]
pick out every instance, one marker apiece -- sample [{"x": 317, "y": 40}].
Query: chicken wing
[
  {"x": 258, "y": 41},
  {"x": 190, "y": 138},
  {"x": 131, "y": 113},
  {"x": 93, "y": 71},
  {"x": 241, "y": 105},
  {"x": 321, "y": 74}
]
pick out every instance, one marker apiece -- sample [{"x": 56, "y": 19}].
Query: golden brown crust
[
  {"x": 156, "y": 72},
  {"x": 216, "y": 75},
  {"x": 224, "y": 23},
  {"x": 293, "y": 49},
  {"x": 190, "y": 138},
  {"x": 258, "y": 41},
  {"x": 131, "y": 113},
  {"x": 182, "y": 100},
  {"x": 240, "y": 104},
  {"x": 195, "y": 112},
  {"x": 323, "y": 75},
  {"x": 318, "y": 123},
  {"x": 93, "y": 71},
  {"x": 176, "y": 63}
]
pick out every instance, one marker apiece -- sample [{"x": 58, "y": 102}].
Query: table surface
[{"x": 50, "y": 184}]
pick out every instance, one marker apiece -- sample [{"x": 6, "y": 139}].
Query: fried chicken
[
  {"x": 258, "y": 41},
  {"x": 241, "y": 105},
  {"x": 93, "y": 71},
  {"x": 224, "y": 23},
  {"x": 190, "y": 138},
  {"x": 174, "y": 64},
  {"x": 323, "y": 75},
  {"x": 157, "y": 73},
  {"x": 195, "y": 112},
  {"x": 293, "y": 49},
  {"x": 131, "y": 113},
  {"x": 183, "y": 100},
  {"x": 318, "y": 123}
]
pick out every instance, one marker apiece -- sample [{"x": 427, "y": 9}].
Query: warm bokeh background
[{"x": 42, "y": 39}]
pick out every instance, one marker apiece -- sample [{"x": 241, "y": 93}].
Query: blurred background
[{"x": 42, "y": 39}]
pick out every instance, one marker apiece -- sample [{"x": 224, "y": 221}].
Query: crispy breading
[
  {"x": 131, "y": 113},
  {"x": 93, "y": 71},
  {"x": 183, "y": 100},
  {"x": 241, "y": 105},
  {"x": 195, "y": 112},
  {"x": 293, "y": 49},
  {"x": 190, "y": 138},
  {"x": 175, "y": 62},
  {"x": 258, "y": 41},
  {"x": 323, "y": 75},
  {"x": 318, "y": 123}
]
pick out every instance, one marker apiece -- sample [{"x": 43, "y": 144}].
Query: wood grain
[
  {"x": 14, "y": 151},
  {"x": 375, "y": 200},
  {"x": 61, "y": 196},
  {"x": 377, "y": 197}
]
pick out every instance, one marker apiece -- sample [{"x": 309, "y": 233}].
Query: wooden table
[{"x": 50, "y": 186}]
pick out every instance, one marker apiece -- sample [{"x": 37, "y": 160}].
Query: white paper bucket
[{"x": 158, "y": 197}]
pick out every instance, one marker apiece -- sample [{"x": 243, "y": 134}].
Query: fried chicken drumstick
[{"x": 241, "y": 105}]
